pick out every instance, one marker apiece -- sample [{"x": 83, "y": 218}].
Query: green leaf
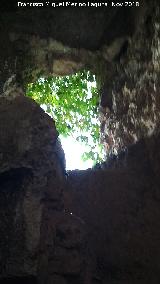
[{"x": 67, "y": 101}]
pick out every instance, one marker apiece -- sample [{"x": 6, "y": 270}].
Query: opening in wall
[{"x": 72, "y": 101}]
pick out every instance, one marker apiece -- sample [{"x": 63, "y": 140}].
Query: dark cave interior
[{"x": 100, "y": 225}]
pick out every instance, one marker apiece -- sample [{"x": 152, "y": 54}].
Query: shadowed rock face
[
  {"x": 60, "y": 39},
  {"x": 19, "y": 280},
  {"x": 38, "y": 238},
  {"x": 121, "y": 209},
  {"x": 130, "y": 94},
  {"x": 25, "y": 166},
  {"x": 113, "y": 231}
]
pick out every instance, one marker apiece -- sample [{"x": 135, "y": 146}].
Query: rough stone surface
[
  {"x": 27, "y": 159},
  {"x": 38, "y": 237},
  {"x": 57, "y": 279},
  {"x": 63, "y": 244},
  {"x": 130, "y": 95},
  {"x": 61, "y": 42},
  {"x": 120, "y": 207}
]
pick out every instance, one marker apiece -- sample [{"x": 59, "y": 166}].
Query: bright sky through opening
[
  {"x": 73, "y": 149},
  {"x": 73, "y": 152}
]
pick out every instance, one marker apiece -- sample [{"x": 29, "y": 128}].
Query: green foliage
[{"x": 72, "y": 101}]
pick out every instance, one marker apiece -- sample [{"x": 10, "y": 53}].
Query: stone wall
[
  {"x": 130, "y": 95},
  {"x": 120, "y": 207},
  {"x": 38, "y": 238},
  {"x": 59, "y": 41}
]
